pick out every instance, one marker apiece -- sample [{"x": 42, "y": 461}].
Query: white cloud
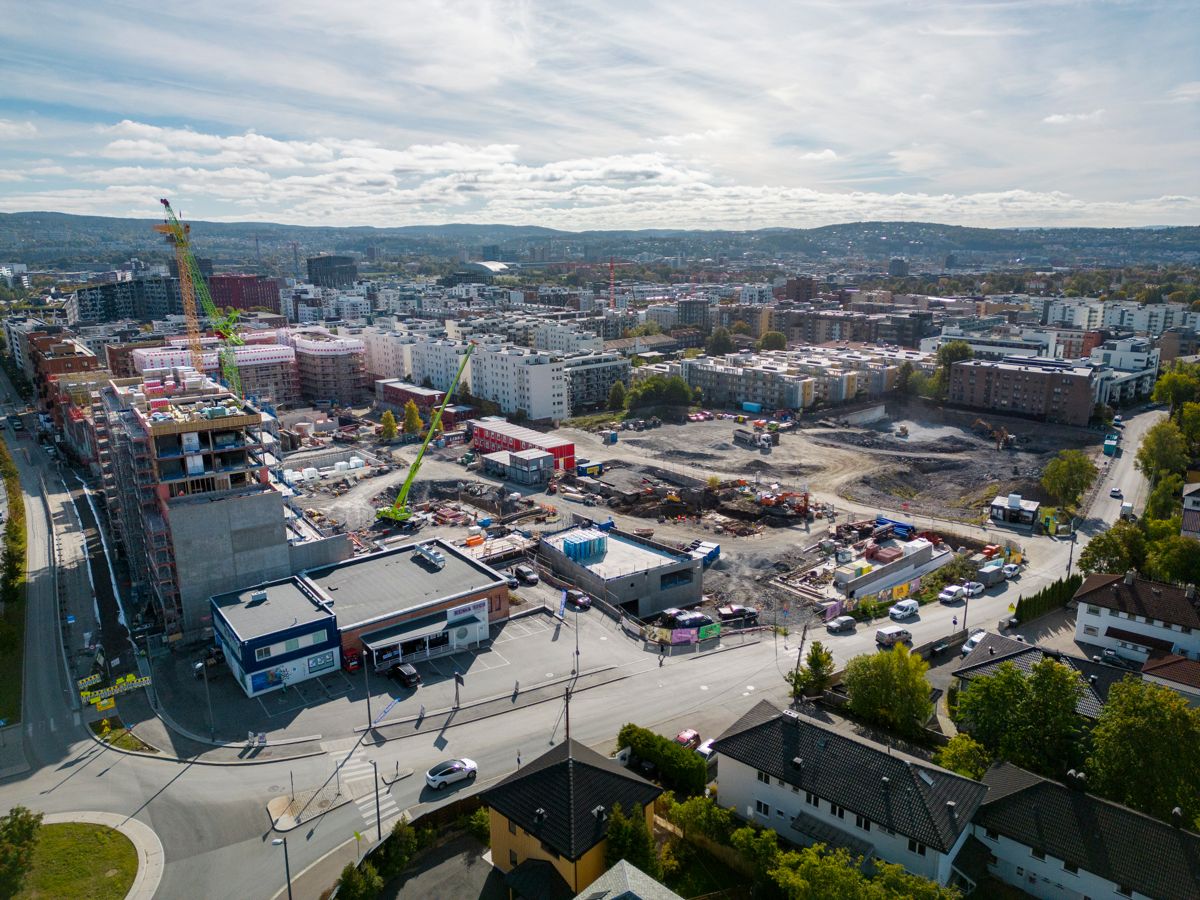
[
  {"x": 1071, "y": 118},
  {"x": 10, "y": 130},
  {"x": 1185, "y": 93},
  {"x": 819, "y": 155}
]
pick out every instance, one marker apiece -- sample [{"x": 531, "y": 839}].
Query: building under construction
[{"x": 185, "y": 472}]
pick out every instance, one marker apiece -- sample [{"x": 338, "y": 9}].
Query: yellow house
[{"x": 549, "y": 819}]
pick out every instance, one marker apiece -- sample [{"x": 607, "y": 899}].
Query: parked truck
[
  {"x": 992, "y": 573},
  {"x": 1127, "y": 511}
]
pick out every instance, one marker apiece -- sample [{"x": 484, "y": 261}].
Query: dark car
[
  {"x": 513, "y": 583},
  {"x": 526, "y": 574},
  {"x": 735, "y": 612},
  {"x": 579, "y": 599},
  {"x": 405, "y": 674}
]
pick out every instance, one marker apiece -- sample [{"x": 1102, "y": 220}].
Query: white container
[
  {"x": 311, "y": 474},
  {"x": 341, "y": 466}
]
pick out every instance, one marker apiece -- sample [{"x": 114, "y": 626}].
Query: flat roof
[
  {"x": 287, "y": 604},
  {"x": 623, "y": 556},
  {"x": 393, "y": 581}
]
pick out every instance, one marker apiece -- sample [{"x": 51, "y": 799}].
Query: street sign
[
  {"x": 562, "y": 605},
  {"x": 70, "y": 620},
  {"x": 120, "y": 686},
  {"x": 458, "y": 679}
]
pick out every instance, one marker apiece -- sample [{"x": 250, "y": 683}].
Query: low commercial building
[
  {"x": 275, "y": 634},
  {"x": 635, "y": 573},
  {"x": 394, "y": 394},
  {"x": 493, "y": 433},
  {"x": 413, "y": 602},
  {"x": 521, "y": 466},
  {"x": 1014, "y": 509}
]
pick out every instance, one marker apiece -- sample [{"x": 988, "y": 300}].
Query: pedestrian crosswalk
[{"x": 358, "y": 780}]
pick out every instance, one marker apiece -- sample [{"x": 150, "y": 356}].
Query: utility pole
[
  {"x": 287, "y": 866},
  {"x": 378, "y": 820},
  {"x": 568, "y": 714}
]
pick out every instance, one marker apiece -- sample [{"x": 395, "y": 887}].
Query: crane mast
[
  {"x": 399, "y": 511},
  {"x": 192, "y": 287}
]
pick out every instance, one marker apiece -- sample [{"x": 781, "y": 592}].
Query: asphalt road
[{"x": 212, "y": 819}]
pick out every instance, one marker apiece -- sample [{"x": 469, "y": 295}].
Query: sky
[{"x": 623, "y": 114}]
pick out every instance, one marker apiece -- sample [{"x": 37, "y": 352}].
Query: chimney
[
  {"x": 950, "y": 808},
  {"x": 1189, "y": 591},
  {"x": 991, "y": 651},
  {"x": 1129, "y": 576}
]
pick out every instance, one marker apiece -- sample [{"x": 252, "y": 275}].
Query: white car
[
  {"x": 952, "y": 593},
  {"x": 974, "y": 588},
  {"x": 706, "y": 749},
  {"x": 973, "y": 642},
  {"x": 904, "y": 609},
  {"x": 1116, "y": 493},
  {"x": 450, "y": 771},
  {"x": 1012, "y": 570}
]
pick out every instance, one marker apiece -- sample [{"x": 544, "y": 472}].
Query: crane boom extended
[
  {"x": 399, "y": 511},
  {"x": 192, "y": 286}
]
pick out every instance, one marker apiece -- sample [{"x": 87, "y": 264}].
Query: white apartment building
[
  {"x": 814, "y": 784},
  {"x": 1135, "y": 616},
  {"x": 756, "y": 293},
  {"x": 1134, "y": 362},
  {"x": 1150, "y": 318},
  {"x": 437, "y": 362},
  {"x": 665, "y": 315},
  {"x": 557, "y": 337},
  {"x": 388, "y": 353},
  {"x": 519, "y": 379},
  {"x": 1074, "y": 312}
]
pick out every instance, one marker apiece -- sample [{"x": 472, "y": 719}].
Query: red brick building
[{"x": 244, "y": 292}]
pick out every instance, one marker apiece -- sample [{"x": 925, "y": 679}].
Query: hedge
[
  {"x": 679, "y": 768},
  {"x": 13, "y": 583},
  {"x": 1052, "y": 597}
]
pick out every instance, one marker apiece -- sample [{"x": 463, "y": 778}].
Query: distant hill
[{"x": 94, "y": 242}]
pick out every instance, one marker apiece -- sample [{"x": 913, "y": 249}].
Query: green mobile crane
[{"x": 399, "y": 511}]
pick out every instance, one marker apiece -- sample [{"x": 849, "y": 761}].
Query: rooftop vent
[
  {"x": 431, "y": 555},
  {"x": 925, "y": 777},
  {"x": 258, "y": 597},
  {"x": 798, "y": 762},
  {"x": 539, "y": 815},
  {"x": 951, "y": 809},
  {"x": 600, "y": 812},
  {"x": 1129, "y": 576}
]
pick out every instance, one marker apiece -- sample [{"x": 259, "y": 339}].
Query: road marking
[{"x": 53, "y": 727}]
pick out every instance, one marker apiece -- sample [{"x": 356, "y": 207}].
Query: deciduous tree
[
  {"x": 964, "y": 755},
  {"x": 18, "y": 837},
  {"x": 1164, "y": 450},
  {"x": 1174, "y": 558},
  {"x": 1165, "y": 498},
  {"x": 412, "y": 418},
  {"x": 616, "y": 396},
  {"x": 1068, "y": 476},
  {"x": 1176, "y": 388},
  {"x": 987, "y": 707},
  {"x": 387, "y": 426},
  {"x": 720, "y": 343},
  {"x": 1143, "y": 750},
  {"x": 890, "y": 689},
  {"x": 773, "y": 340},
  {"x": 1121, "y": 548}
]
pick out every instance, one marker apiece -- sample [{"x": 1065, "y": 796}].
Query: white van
[
  {"x": 904, "y": 609},
  {"x": 891, "y": 635}
]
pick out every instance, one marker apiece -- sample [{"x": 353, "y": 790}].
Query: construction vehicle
[
  {"x": 399, "y": 511},
  {"x": 192, "y": 286}
]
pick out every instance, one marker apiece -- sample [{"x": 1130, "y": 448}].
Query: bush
[
  {"x": 679, "y": 768},
  {"x": 701, "y": 815},
  {"x": 358, "y": 883},
  {"x": 1048, "y": 599},
  {"x": 479, "y": 826}
]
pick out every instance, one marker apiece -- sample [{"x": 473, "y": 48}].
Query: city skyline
[{"x": 631, "y": 116}]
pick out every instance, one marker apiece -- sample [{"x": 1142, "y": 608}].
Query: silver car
[{"x": 450, "y": 771}]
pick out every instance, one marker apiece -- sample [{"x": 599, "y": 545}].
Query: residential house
[
  {"x": 1176, "y": 672},
  {"x": 1052, "y": 842},
  {"x": 1135, "y": 616},
  {"x": 995, "y": 650},
  {"x": 1191, "y": 511},
  {"x": 625, "y": 881},
  {"x": 815, "y": 784},
  {"x": 549, "y": 819}
]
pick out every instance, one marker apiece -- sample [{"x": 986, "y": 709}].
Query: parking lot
[{"x": 524, "y": 652}]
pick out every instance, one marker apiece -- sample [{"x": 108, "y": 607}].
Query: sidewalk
[{"x": 12, "y": 751}]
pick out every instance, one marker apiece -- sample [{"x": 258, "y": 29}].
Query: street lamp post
[
  {"x": 577, "y": 640},
  {"x": 212, "y": 726},
  {"x": 287, "y": 866},
  {"x": 378, "y": 819},
  {"x": 367, "y": 685}
]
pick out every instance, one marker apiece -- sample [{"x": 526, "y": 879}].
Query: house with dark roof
[
  {"x": 549, "y": 819},
  {"x": 1190, "y": 526},
  {"x": 995, "y": 650},
  {"x": 1135, "y": 616},
  {"x": 1176, "y": 672},
  {"x": 814, "y": 784},
  {"x": 1053, "y": 841}
]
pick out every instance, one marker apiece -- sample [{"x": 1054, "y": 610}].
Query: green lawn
[
  {"x": 119, "y": 736},
  {"x": 75, "y": 860}
]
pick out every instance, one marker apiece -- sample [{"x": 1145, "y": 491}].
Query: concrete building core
[{"x": 627, "y": 571}]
